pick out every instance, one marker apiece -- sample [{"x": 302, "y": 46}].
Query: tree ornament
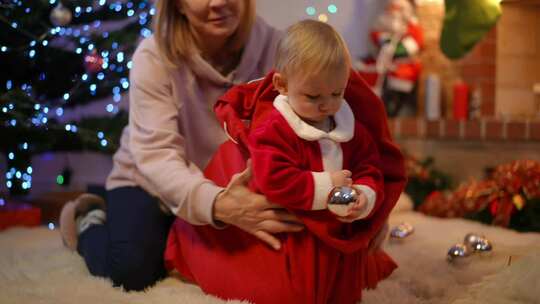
[
  {"x": 93, "y": 62},
  {"x": 340, "y": 198},
  {"x": 60, "y": 15}
]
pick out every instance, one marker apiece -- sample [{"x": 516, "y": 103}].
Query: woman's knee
[{"x": 136, "y": 267}]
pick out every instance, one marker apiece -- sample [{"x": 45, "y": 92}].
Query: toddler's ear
[{"x": 280, "y": 83}]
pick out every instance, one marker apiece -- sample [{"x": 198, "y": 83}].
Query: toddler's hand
[
  {"x": 341, "y": 178},
  {"x": 355, "y": 209}
]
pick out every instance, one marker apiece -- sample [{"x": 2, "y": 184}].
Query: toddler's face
[{"x": 316, "y": 97}]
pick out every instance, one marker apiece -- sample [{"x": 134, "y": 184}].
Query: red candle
[{"x": 461, "y": 101}]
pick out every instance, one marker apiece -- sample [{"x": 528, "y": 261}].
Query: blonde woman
[{"x": 199, "y": 49}]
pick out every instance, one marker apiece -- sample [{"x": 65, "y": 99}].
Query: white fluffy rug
[{"x": 35, "y": 268}]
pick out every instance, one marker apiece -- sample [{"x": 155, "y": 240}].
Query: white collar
[{"x": 344, "y": 120}]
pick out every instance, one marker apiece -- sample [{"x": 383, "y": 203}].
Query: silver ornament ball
[
  {"x": 339, "y": 199},
  {"x": 60, "y": 15},
  {"x": 401, "y": 231},
  {"x": 458, "y": 253},
  {"x": 477, "y": 243}
]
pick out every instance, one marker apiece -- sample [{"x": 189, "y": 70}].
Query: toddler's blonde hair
[{"x": 311, "y": 47}]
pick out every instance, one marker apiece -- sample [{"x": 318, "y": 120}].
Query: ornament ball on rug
[
  {"x": 340, "y": 198},
  {"x": 477, "y": 243},
  {"x": 458, "y": 254},
  {"x": 401, "y": 231}
]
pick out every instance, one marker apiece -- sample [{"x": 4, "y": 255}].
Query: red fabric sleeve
[
  {"x": 277, "y": 171},
  {"x": 365, "y": 162}
]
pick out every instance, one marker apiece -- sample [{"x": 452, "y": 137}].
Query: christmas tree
[{"x": 54, "y": 56}]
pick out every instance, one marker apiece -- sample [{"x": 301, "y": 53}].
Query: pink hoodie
[{"x": 173, "y": 132}]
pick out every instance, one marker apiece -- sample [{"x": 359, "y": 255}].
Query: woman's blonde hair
[
  {"x": 310, "y": 47},
  {"x": 175, "y": 40}
]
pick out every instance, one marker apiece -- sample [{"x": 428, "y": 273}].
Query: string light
[{"x": 81, "y": 38}]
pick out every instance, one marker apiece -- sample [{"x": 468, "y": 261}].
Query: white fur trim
[
  {"x": 371, "y": 198},
  {"x": 401, "y": 85},
  {"x": 332, "y": 155},
  {"x": 322, "y": 186},
  {"x": 410, "y": 45},
  {"x": 344, "y": 120}
]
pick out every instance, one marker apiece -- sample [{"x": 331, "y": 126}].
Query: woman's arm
[
  {"x": 156, "y": 144},
  {"x": 239, "y": 206}
]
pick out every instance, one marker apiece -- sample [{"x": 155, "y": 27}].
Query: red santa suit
[{"x": 326, "y": 263}]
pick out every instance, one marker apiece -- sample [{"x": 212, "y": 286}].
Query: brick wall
[
  {"x": 477, "y": 68},
  {"x": 518, "y": 60}
]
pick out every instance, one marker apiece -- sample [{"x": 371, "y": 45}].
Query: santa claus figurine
[{"x": 394, "y": 69}]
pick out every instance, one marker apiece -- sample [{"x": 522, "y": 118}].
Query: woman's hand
[
  {"x": 377, "y": 242},
  {"x": 251, "y": 212}
]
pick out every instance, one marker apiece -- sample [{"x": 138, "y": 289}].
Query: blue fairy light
[
  {"x": 332, "y": 9},
  {"x": 103, "y": 142},
  {"x": 31, "y": 53},
  {"x": 9, "y": 85},
  {"x": 29, "y": 170},
  {"x": 25, "y": 146},
  {"x": 66, "y": 95},
  {"x": 110, "y": 108},
  {"x": 310, "y": 10},
  {"x": 4, "y": 48},
  {"x": 100, "y": 76},
  {"x": 130, "y": 13},
  {"x": 100, "y": 135},
  {"x": 45, "y": 42},
  {"x": 129, "y": 65},
  {"x": 125, "y": 83},
  {"x": 78, "y": 50},
  {"x": 9, "y": 184},
  {"x": 13, "y": 123},
  {"x": 11, "y": 156},
  {"x": 37, "y": 106},
  {"x": 146, "y": 32},
  {"x": 120, "y": 56},
  {"x": 59, "y": 111},
  {"x": 50, "y": 226},
  {"x": 84, "y": 77},
  {"x": 117, "y": 97},
  {"x": 93, "y": 87},
  {"x": 68, "y": 127}
]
